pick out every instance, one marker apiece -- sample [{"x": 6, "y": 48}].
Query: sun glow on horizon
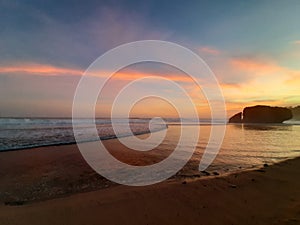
[{"x": 268, "y": 84}]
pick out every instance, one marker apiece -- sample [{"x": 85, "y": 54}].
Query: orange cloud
[
  {"x": 251, "y": 65},
  {"x": 294, "y": 81},
  {"x": 209, "y": 50},
  {"x": 269, "y": 82},
  {"x": 39, "y": 69},
  {"x": 262, "y": 68},
  {"x": 260, "y": 82},
  {"x": 132, "y": 75},
  {"x": 48, "y": 70},
  {"x": 297, "y": 42}
]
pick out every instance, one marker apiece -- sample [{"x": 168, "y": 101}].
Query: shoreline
[
  {"x": 104, "y": 138},
  {"x": 58, "y": 171},
  {"x": 264, "y": 196}
]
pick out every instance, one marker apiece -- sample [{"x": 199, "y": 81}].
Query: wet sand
[{"x": 40, "y": 186}]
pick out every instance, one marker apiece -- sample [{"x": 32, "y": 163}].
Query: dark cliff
[
  {"x": 237, "y": 118},
  {"x": 262, "y": 114}
]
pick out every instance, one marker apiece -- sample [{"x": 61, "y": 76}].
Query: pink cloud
[
  {"x": 253, "y": 65},
  {"x": 49, "y": 70},
  {"x": 210, "y": 50},
  {"x": 262, "y": 68},
  {"x": 39, "y": 69},
  {"x": 297, "y": 42}
]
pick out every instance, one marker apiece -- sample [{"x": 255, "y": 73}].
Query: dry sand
[{"x": 267, "y": 196}]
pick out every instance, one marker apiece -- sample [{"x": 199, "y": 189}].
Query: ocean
[
  {"x": 22, "y": 133},
  {"x": 244, "y": 146}
]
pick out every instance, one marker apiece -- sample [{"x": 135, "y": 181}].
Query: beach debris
[
  {"x": 232, "y": 186},
  {"x": 14, "y": 203},
  {"x": 85, "y": 186},
  {"x": 205, "y": 173},
  {"x": 292, "y": 220}
]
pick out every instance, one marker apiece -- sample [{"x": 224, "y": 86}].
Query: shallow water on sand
[{"x": 243, "y": 147}]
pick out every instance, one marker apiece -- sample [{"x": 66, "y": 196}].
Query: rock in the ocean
[
  {"x": 206, "y": 173},
  {"x": 237, "y": 118},
  {"x": 266, "y": 114},
  {"x": 262, "y": 114}
]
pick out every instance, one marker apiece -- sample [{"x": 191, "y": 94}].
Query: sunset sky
[{"x": 253, "y": 47}]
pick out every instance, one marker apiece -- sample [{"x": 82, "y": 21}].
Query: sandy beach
[{"x": 54, "y": 185}]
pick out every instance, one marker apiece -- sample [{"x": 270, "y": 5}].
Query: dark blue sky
[{"x": 76, "y": 32}]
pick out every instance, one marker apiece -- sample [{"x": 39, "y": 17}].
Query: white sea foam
[
  {"x": 292, "y": 122},
  {"x": 19, "y": 133}
]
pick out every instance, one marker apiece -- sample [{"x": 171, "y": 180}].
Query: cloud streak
[
  {"x": 39, "y": 69},
  {"x": 265, "y": 82},
  {"x": 254, "y": 66},
  {"x": 209, "y": 50},
  {"x": 297, "y": 42},
  {"x": 48, "y": 70}
]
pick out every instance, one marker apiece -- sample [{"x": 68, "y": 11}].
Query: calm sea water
[{"x": 244, "y": 146}]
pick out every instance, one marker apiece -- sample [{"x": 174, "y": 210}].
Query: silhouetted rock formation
[
  {"x": 266, "y": 114},
  {"x": 262, "y": 114},
  {"x": 237, "y": 118}
]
